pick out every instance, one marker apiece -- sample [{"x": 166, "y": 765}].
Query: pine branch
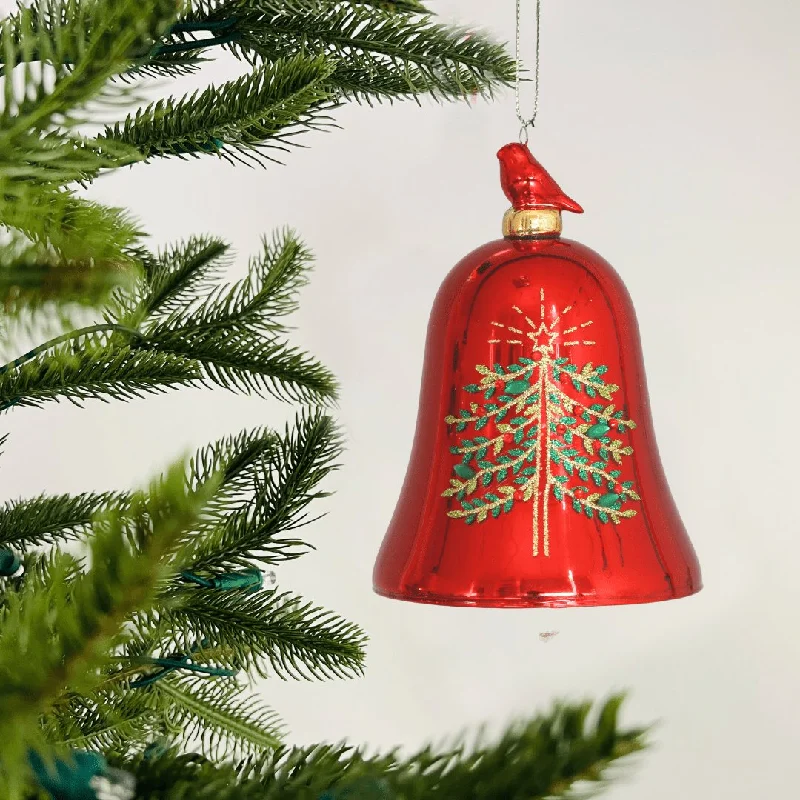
[
  {"x": 26, "y": 523},
  {"x": 423, "y": 56},
  {"x": 180, "y": 273},
  {"x": 57, "y": 158},
  {"x": 211, "y": 711},
  {"x": 63, "y": 631},
  {"x": 375, "y": 83},
  {"x": 231, "y": 334},
  {"x": 549, "y": 756},
  {"x": 546, "y": 757},
  {"x": 238, "y": 459},
  {"x": 51, "y": 17},
  {"x": 281, "y": 475},
  {"x": 61, "y": 250},
  {"x": 395, "y": 6},
  {"x": 214, "y": 712},
  {"x": 228, "y": 340},
  {"x": 34, "y": 277},
  {"x": 71, "y": 229},
  {"x": 58, "y": 248},
  {"x": 85, "y": 43},
  {"x": 176, "y": 776},
  {"x": 384, "y": 50},
  {"x": 115, "y": 723},
  {"x": 101, "y": 371},
  {"x": 170, "y": 281},
  {"x": 249, "y": 363},
  {"x": 165, "y": 65},
  {"x": 266, "y": 633},
  {"x": 253, "y": 305},
  {"x": 240, "y": 119}
]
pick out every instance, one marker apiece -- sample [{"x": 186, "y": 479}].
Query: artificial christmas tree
[{"x": 124, "y": 674}]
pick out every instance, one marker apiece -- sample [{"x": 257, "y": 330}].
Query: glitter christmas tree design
[{"x": 543, "y": 426}]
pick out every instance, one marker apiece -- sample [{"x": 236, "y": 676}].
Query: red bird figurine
[{"x": 527, "y": 184}]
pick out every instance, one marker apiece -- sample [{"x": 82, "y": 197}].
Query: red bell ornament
[{"x": 534, "y": 477}]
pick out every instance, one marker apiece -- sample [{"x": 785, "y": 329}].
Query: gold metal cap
[{"x": 531, "y": 222}]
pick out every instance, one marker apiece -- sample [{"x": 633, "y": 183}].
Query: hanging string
[{"x": 527, "y": 122}]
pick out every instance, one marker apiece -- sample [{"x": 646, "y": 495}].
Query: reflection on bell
[{"x": 534, "y": 478}]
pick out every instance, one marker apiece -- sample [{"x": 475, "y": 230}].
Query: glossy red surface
[
  {"x": 560, "y": 500},
  {"x": 527, "y": 184}
]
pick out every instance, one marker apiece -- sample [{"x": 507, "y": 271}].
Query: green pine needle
[
  {"x": 230, "y": 335},
  {"x": 26, "y": 523},
  {"x": 103, "y": 721},
  {"x": 244, "y": 362},
  {"x": 56, "y": 158},
  {"x": 70, "y": 230},
  {"x": 550, "y": 756},
  {"x": 78, "y": 244},
  {"x": 33, "y": 279},
  {"x": 266, "y": 633},
  {"x": 242, "y": 119},
  {"x": 101, "y": 372},
  {"x": 395, "y": 6},
  {"x": 215, "y": 713},
  {"x": 410, "y": 55},
  {"x": 553, "y": 755},
  {"x": 252, "y": 305},
  {"x": 179, "y": 274},
  {"x": 85, "y": 43},
  {"x": 265, "y": 491},
  {"x": 176, "y": 338},
  {"x": 62, "y": 627},
  {"x": 237, "y": 459}
]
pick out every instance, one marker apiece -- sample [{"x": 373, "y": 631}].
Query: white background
[{"x": 675, "y": 125}]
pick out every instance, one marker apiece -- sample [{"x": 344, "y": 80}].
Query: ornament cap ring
[{"x": 531, "y": 222}]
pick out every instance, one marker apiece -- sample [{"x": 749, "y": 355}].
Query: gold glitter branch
[
  {"x": 606, "y": 414},
  {"x": 489, "y": 379},
  {"x": 589, "y": 502},
  {"x": 579, "y": 467},
  {"x": 471, "y": 484},
  {"x": 482, "y": 511},
  {"x": 585, "y": 376}
]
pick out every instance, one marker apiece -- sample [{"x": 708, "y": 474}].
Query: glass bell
[{"x": 534, "y": 478}]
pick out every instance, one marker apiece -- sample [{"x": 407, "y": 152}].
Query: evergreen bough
[{"x": 134, "y": 656}]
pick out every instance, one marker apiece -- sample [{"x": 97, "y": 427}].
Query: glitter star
[
  {"x": 542, "y": 339},
  {"x": 540, "y": 334}
]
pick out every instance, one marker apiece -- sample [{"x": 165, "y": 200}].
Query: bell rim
[{"x": 540, "y": 601}]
